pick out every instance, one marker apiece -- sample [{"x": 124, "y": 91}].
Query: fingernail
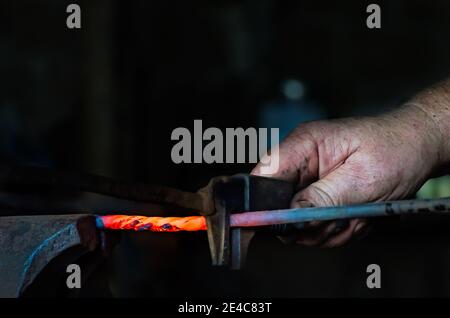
[
  {"x": 288, "y": 239},
  {"x": 363, "y": 232},
  {"x": 358, "y": 228}
]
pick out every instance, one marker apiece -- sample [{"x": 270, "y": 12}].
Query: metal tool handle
[{"x": 12, "y": 177}]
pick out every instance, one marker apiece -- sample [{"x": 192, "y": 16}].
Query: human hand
[{"x": 356, "y": 160}]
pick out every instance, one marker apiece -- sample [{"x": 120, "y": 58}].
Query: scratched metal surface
[{"x": 29, "y": 243}]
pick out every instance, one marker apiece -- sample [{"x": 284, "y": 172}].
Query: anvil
[{"x": 35, "y": 250}]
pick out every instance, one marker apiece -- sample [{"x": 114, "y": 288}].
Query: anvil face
[{"x": 29, "y": 243}]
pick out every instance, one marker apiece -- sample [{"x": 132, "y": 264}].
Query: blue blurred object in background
[{"x": 290, "y": 109}]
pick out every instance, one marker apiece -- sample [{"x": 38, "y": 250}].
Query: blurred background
[{"x": 104, "y": 99}]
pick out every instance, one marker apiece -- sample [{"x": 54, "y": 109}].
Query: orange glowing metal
[{"x": 154, "y": 224}]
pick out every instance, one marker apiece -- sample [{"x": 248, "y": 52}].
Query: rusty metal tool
[
  {"x": 239, "y": 193},
  {"x": 266, "y": 201},
  {"x": 232, "y": 232}
]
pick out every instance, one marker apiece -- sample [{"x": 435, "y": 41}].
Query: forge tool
[
  {"x": 28, "y": 244},
  {"x": 221, "y": 197},
  {"x": 284, "y": 220},
  {"x": 294, "y": 217},
  {"x": 31, "y": 244}
]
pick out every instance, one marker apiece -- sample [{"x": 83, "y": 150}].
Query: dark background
[{"x": 105, "y": 99}]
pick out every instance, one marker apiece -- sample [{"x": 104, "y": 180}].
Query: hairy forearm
[{"x": 428, "y": 114}]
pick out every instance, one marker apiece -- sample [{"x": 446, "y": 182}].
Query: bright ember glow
[{"x": 154, "y": 224}]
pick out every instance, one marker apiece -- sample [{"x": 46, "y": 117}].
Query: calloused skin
[{"x": 368, "y": 159}]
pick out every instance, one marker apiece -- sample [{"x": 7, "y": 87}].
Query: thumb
[
  {"x": 293, "y": 160},
  {"x": 337, "y": 188}
]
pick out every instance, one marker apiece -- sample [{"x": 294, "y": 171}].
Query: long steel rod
[
  {"x": 261, "y": 218},
  {"x": 17, "y": 177},
  {"x": 264, "y": 218}
]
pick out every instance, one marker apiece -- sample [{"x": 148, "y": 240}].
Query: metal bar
[
  {"x": 262, "y": 218},
  {"x": 12, "y": 177},
  {"x": 149, "y": 223}
]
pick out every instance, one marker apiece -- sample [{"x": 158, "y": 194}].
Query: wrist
[
  {"x": 419, "y": 128},
  {"x": 434, "y": 128},
  {"x": 434, "y": 102}
]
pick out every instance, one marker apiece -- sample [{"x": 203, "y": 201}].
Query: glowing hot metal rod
[
  {"x": 154, "y": 224},
  {"x": 265, "y": 218}
]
